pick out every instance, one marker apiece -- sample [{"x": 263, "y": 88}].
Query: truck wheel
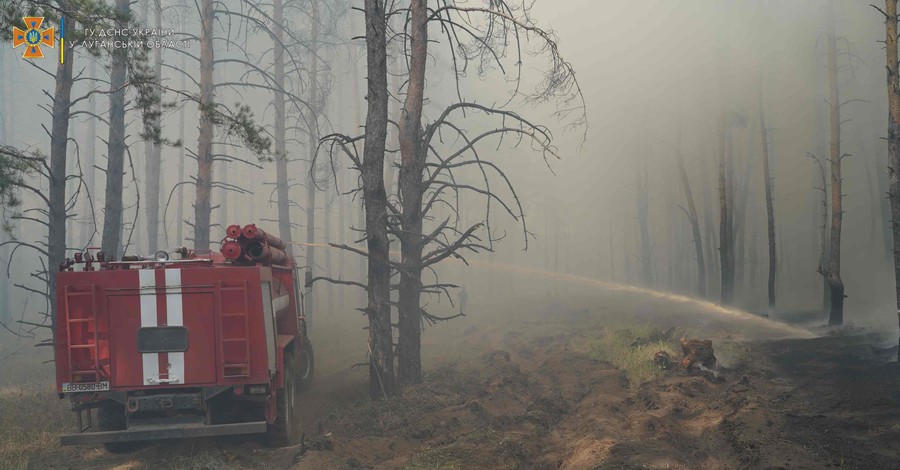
[
  {"x": 111, "y": 417},
  {"x": 306, "y": 364},
  {"x": 281, "y": 432}
]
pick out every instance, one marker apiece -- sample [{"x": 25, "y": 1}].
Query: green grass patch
[{"x": 632, "y": 349}]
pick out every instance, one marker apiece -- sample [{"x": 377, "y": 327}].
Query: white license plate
[{"x": 94, "y": 387}]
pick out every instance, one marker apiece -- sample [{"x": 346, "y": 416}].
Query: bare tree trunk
[
  {"x": 893, "y": 86},
  {"x": 71, "y": 159},
  {"x": 357, "y": 112},
  {"x": 833, "y": 272},
  {"x": 693, "y": 219},
  {"x": 5, "y": 304},
  {"x": 179, "y": 220},
  {"x": 711, "y": 262},
  {"x": 753, "y": 254},
  {"x": 202, "y": 205},
  {"x": 381, "y": 359},
  {"x": 59, "y": 137},
  {"x": 115, "y": 166},
  {"x": 883, "y": 180},
  {"x": 281, "y": 158},
  {"x": 770, "y": 208},
  {"x": 6, "y": 110},
  {"x": 313, "y": 130},
  {"x": 327, "y": 215},
  {"x": 87, "y": 228},
  {"x": 643, "y": 207},
  {"x": 726, "y": 248},
  {"x": 153, "y": 150},
  {"x": 221, "y": 194},
  {"x": 412, "y": 165},
  {"x": 393, "y": 137}
]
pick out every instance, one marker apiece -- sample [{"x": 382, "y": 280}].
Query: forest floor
[{"x": 558, "y": 385}]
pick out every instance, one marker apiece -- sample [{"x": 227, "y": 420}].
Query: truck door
[{"x": 162, "y": 333}]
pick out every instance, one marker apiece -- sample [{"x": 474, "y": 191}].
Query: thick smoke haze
[{"x": 653, "y": 74}]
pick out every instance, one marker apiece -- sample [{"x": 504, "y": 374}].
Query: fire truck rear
[{"x": 183, "y": 344}]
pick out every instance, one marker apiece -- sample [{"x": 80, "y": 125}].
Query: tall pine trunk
[
  {"x": 378, "y": 311},
  {"x": 893, "y": 87},
  {"x": 643, "y": 209},
  {"x": 281, "y": 158},
  {"x": 179, "y": 212},
  {"x": 412, "y": 164},
  {"x": 770, "y": 208},
  {"x": 202, "y": 205},
  {"x": 115, "y": 166},
  {"x": 313, "y": 130},
  {"x": 726, "y": 247},
  {"x": 153, "y": 164},
  {"x": 88, "y": 228},
  {"x": 59, "y": 138},
  {"x": 357, "y": 113},
  {"x": 709, "y": 228},
  {"x": 693, "y": 219},
  {"x": 833, "y": 271}
]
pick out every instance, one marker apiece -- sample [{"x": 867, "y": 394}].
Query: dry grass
[
  {"x": 31, "y": 414},
  {"x": 631, "y": 350},
  {"x": 30, "y": 421},
  {"x": 443, "y": 386},
  {"x": 502, "y": 450},
  {"x": 206, "y": 460}
]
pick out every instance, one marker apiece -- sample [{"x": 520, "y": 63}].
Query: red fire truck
[{"x": 183, "y": 344}]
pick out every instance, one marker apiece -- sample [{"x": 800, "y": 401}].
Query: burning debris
[
  {"x": 663, "y": 360},
  {"x": 698, "y": 354}
]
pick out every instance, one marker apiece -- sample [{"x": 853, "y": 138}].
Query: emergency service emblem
[{"x": 33, "y": 37}]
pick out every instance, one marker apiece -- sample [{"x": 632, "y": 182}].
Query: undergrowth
[{"x": 632, "y": 349}]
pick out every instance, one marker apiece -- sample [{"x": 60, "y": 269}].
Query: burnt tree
[
  {"x": 378, "y": 311},
  {"x": 770, "y": 209},
  {"x": 642, "y": 207},
  {"x": 832, "y": 271},
  {"x": 726, "y": 232},
  {"x": 893, "y": 135},
  {"x": 412, "y": 166},
  {"x": 424, "y": 181},
  {"x": 692, "y": 217}
]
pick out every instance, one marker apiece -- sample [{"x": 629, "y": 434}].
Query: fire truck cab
[{"x": 183, "y": 344}]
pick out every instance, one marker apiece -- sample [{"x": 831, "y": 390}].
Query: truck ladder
[
  {"x": 82, "y": 334},
  {"x": 236, "y": 335}
]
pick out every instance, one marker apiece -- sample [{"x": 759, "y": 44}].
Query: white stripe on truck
[
  {"x": 148, "y": 319},
  {"x": 175, "y": 317}
]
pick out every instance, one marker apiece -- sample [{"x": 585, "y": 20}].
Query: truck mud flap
[{"x": 151, "y": 433}]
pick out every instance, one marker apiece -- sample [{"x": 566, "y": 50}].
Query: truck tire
[
  {"x": 281, "y": 432},
  {"x": 111, "y": 417},
  {"x": 306, "y": 365}
]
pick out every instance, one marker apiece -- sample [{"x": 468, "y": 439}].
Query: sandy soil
[{"x": 522, "y": 390}]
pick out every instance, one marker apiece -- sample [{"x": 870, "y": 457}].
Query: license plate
[{"x": 93, "y": 387}]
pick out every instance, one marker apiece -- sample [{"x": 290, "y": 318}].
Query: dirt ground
[{"x": 536, "y": 389}]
